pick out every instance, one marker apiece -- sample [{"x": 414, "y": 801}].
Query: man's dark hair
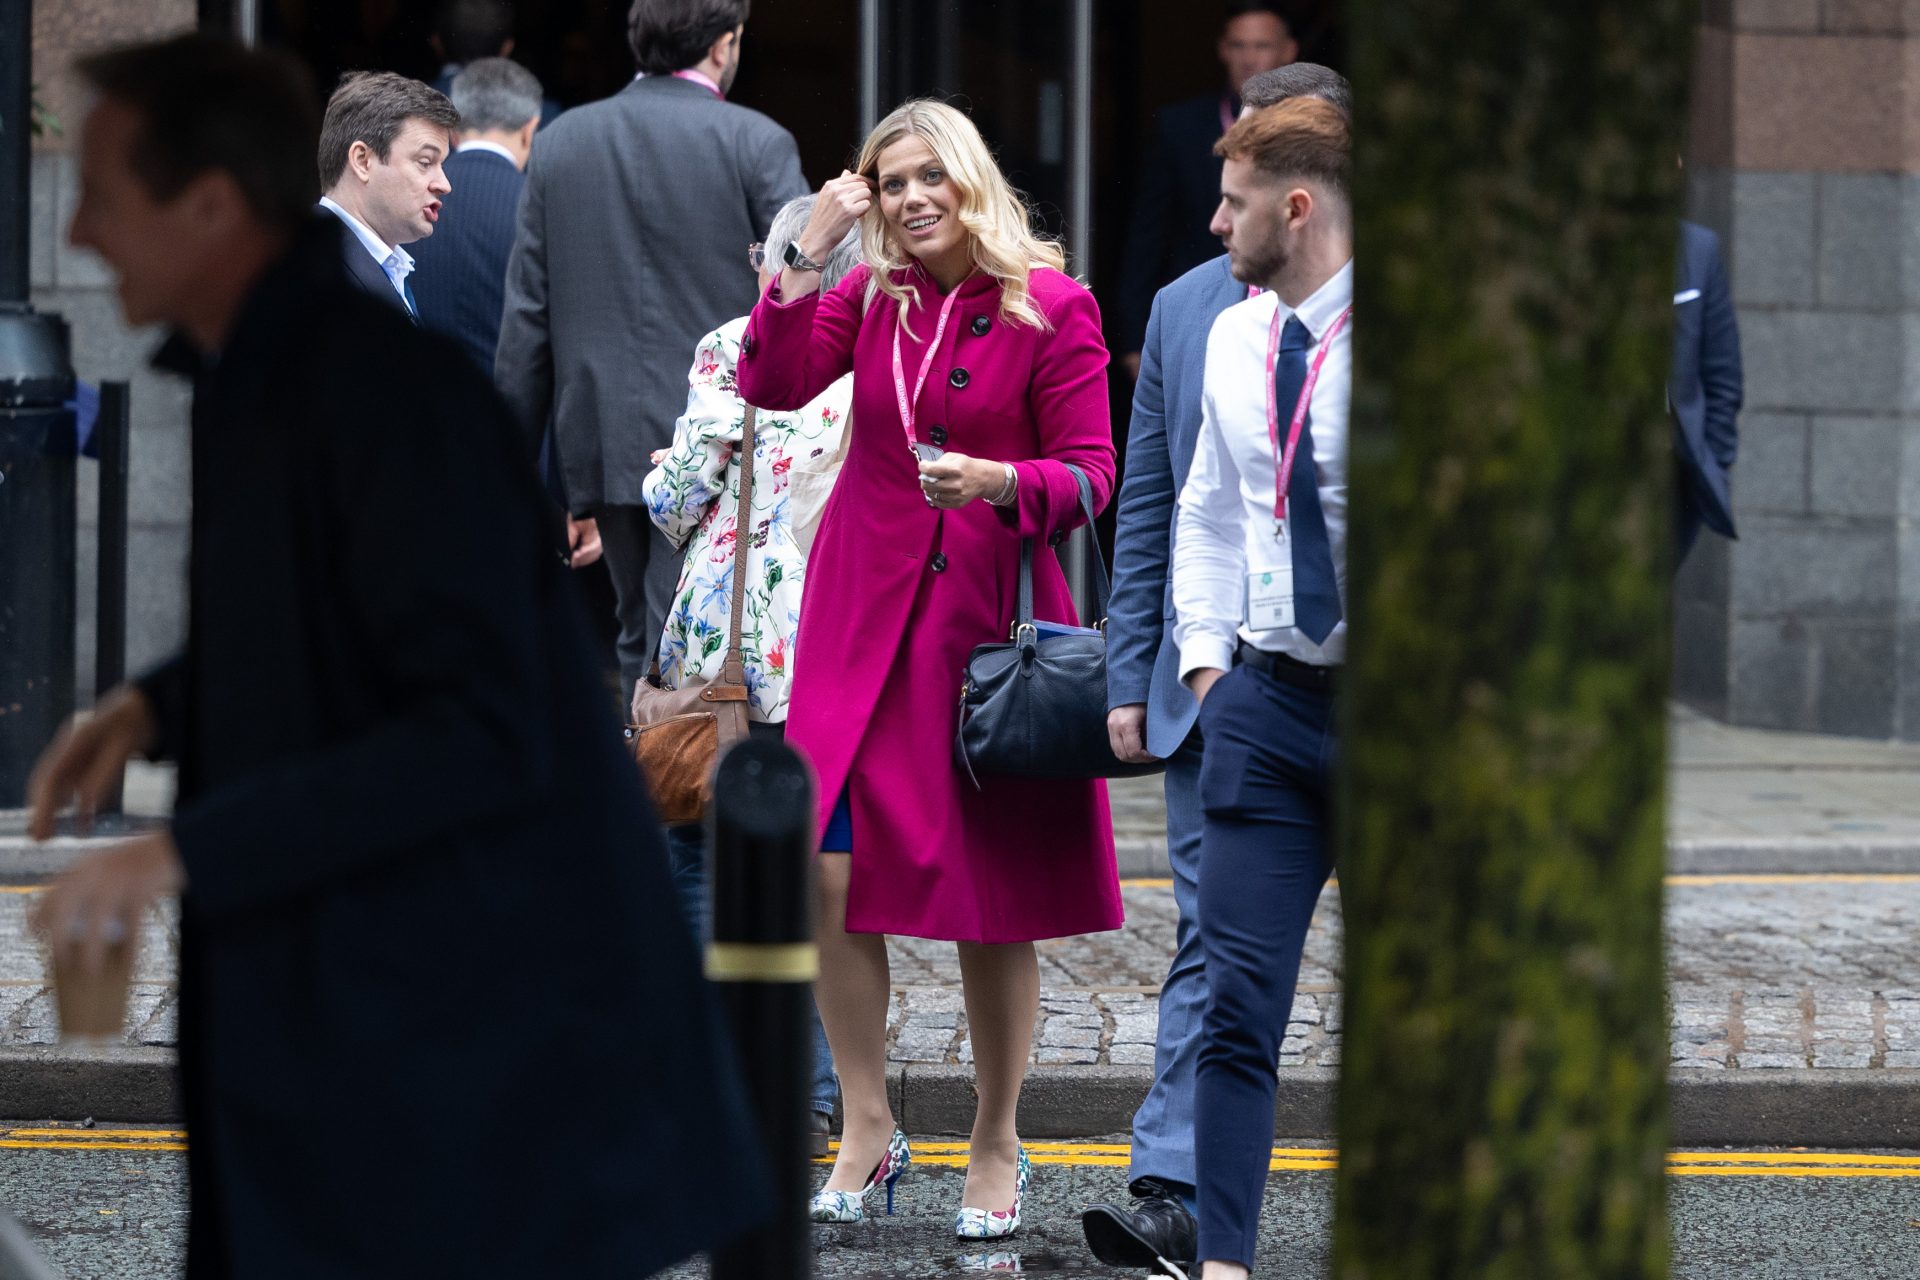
[
  {"x": 672, "y": 35},
  {"x": 495, "y": 93},
  {"x": 1241, "y": 8},
  {"x": 206, "y": 103},
  {"x": 1299, "y": 80},
  {"x": 372, "y": 107},
  {"x": 470, "y": 29}
]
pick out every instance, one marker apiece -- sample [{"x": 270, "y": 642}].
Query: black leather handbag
[{"x": 1036, "y": 706}]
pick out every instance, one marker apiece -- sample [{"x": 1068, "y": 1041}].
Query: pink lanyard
[
  {"x": 1226, "y": 114},
  {"x": 1283, "y": 462},
  {"x": 909, "y": 407},
  {"x": 694, "y": 77}
]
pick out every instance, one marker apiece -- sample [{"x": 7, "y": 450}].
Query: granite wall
[{"x": 1804, "y": 155}]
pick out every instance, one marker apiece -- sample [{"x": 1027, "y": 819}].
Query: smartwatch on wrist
[{"x": 799, "y": 261}]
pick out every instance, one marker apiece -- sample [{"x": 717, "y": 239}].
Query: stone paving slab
[{"x": 1816, "y": 974}]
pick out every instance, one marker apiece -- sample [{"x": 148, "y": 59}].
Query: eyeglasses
[{"x": 756, "y": 255}]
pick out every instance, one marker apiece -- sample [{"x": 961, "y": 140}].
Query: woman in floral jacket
[{"x": 693, "y": 495}]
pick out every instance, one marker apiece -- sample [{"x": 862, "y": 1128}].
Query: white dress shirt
[
  {"x": 1226, "y": 510},
  {"x": 395, "y": 262},
  {"x": 481, "y": 144}
]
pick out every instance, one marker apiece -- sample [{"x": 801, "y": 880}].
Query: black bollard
[{"x": 762, "y": 956}]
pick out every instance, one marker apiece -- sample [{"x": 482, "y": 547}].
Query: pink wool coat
[{"x": 898, "y": 594}]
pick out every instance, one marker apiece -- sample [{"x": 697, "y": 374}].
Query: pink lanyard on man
[
  {"x": 695, "y": 77},
  {"x": 1283, "y": 460},
  {"x": 910, "y": 406}
]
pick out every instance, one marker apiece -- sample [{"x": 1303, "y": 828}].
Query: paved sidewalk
[
  {"x": 1741, "y": 800},
  {"x": 1795, "y": 1000}
]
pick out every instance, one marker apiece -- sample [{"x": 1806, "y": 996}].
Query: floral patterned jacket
[{"x": 694, "y": 497}]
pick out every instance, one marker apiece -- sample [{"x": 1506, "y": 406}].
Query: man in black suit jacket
[
  {"x": 419, "y": 879},
  {"x": 383, "y": 149},
  {"x": 1180, "y": 182},
  {"x": 1705, "y": 390},
  {"x": 460, "y": 272}
]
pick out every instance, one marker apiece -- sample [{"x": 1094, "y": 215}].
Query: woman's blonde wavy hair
[{"x": 1001, "y": 236}]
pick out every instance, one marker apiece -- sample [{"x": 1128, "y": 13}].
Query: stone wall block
[
  {"x": 1771, "y": 256},
  {"x": 159, "y": 481},
  {"x": 1700, "y": 644},
  {"x": 1857, "y": 677},
  {"x": 1770, "y": 473},
  {"x": 73, "y": 268},
  {"x": 1860, "y": 235},
  {"x": 1819, "y": 104},
  {"x": 1769, "y": 674},
  {"x": 156, "y": 594},
  {"x": 1834, "y": 361},
  {"x": 1856, "y": 466},
  {"x": 1907, "y": 724},
  {"x": 1864, "y": 17},
  {"x": 1811, "y": 569},
  {"x": 43, "y": 220},
  {"x": 1776, "y": 15}
]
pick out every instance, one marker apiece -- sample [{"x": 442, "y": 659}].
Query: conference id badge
[{"x": 1270, "y": 598}]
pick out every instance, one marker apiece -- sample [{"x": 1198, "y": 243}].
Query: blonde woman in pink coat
[{"x": 978, "y": 374}]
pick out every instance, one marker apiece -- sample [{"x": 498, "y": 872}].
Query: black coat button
[
  {"x": 980, "y": 326},
  {"x": 938, "y": 436},
  {"x": 958, "y": 378},
  {"x": 939, "y": 562}
]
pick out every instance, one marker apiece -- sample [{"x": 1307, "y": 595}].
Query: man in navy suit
[
  {"x": 383, "y": 149},
  {"x": 1180, "y": 183},
  {"x": 1704, "y": 390},
  {"x": 1152, "y": 713},
  {"x": 460, "y": 274}
]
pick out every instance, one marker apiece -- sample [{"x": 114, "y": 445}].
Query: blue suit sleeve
[
  {"x": 1143, "y": 535},
  {"x": 1721, "y": 379}
]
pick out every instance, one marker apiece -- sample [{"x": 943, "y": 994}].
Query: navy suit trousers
[{"x": 1264, "y": 790}]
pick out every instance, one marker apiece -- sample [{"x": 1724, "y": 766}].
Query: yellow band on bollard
[{"x": 762, "y": 962}]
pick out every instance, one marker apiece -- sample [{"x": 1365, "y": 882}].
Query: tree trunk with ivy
[{"x": 1503, "y": 1091}]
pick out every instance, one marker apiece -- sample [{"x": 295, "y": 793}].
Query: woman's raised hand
[{"x": 843, "y": 200}]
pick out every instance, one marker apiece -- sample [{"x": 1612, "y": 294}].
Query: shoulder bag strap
[
  {"x": 732, "y": 670},
  {"x": 1102, "y": 587}
]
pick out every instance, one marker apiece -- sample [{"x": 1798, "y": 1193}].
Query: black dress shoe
[
  {"x": 1156, "y": 1226},
  {"x": 817, "y": 1127}
]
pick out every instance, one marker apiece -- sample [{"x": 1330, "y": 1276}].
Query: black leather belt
[{"x": 1301, "y": 675}]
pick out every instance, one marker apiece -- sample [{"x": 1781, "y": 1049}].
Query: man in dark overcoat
[{"x": 423, "y": 898}]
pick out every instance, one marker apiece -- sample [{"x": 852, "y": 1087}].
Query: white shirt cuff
[{"x": 1197, "y": 652}]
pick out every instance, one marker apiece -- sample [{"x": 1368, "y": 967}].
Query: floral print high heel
[
  {"x": 993, "y": 1224},
  {"x": 851, "y": 1206}
]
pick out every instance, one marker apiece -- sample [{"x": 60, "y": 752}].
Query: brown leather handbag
[{"x": 677, "y": 735}]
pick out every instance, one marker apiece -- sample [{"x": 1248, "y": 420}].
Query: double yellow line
[
  {"x": 93, "y": 1139},
  {"x": 1680, "y": 1164}
]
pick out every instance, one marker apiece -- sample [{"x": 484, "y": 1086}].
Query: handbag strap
[
  {"x": 732, "y": 670},
  {"x": 1102, "y": 586}
]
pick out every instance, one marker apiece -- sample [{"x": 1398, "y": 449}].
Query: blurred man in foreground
[{"x": 419, "y": 883}]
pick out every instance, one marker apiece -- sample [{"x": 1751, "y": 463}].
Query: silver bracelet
[{"x": 1007, "y": 490}]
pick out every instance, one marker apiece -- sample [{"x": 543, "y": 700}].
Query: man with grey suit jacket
[
  {"x": 1152, "y": 713},
  {"x": 615, "y": 277}
]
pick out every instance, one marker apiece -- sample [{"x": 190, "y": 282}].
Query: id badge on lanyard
[
  {"x": 910, "y": 404},
  {"x": 1268, "y": 604}
]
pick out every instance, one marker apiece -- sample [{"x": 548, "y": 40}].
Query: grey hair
[
  {"x": 791, "y": 221},
  {"x": 1298, "y": 80},
  {"x": 495, "y": 93}
]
